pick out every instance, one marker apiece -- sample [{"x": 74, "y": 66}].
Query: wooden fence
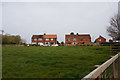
[
  {"x": 115, "y": 48},
  {"x": 110, "y": 70}
]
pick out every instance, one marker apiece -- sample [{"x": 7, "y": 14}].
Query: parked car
[
  {"x": 41, "y": 44},
  {"x": 46, "y": 45},
  {"x": 55, "y": 45}
]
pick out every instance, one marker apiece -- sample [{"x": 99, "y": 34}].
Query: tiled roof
[
  {"x": 50, "y": 36},
  {"x": 101, "y": 37},
  {"x": 37, "y": 36},
  {"x": 84, "y": 35},
  {"x": 80, "y": 35}
]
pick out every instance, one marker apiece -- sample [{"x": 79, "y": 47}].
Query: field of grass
[{"x": 52, "y": 62}]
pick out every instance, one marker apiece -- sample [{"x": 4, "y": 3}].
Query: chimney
[
  {"x": 71, "y": 33},
  {"x": 77, "y": 34},
  {"x": 44, "y": 33}
]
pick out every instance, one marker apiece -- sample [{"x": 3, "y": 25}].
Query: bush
[{"x": 109, "y": 43}]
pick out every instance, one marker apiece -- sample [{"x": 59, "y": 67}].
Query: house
[
  {"x": 44, "y": 40},
  {"x": 100, "y": 39},
  {"x": 110, "y": 40},
  {"x": 72, "y": 39}
]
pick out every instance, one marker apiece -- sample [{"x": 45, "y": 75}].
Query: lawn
[{"x": 52, "y": 62}]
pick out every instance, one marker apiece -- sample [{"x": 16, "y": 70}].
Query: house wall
[
  {"x": 100, "y": 40},
  {"x": 79, "y": 40},
  {"x": 44, "y": 41}
]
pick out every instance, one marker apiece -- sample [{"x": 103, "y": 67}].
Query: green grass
[{"x": 52, "y": 62}]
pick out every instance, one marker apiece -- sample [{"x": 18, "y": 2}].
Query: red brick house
[
  {"x": 72, "y": 39},
  {"x": 100, "y": 39},
  {"x": 110, "y": 40},
  {"x": 45, "y": 40}
]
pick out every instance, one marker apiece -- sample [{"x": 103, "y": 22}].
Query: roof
[
  {"x": 80, "y": 35},
  {"x": 101, "y": 37},
  {"x": 84, "y": 35},
  {"x": 37, "y": 36},
  {"x": 50, "y": 36}
]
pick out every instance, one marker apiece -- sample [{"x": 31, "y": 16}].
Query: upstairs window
[
  {"x": 81, "y": 39},
  {"x": 74, "y": 39},
  {"x": 40, "y": 39},
  {"x": 51, "y": 39},
  {"x": 99, "y": 40},
  {"x": 35, "y": 39},
  {"x": 47, "y": 39}
]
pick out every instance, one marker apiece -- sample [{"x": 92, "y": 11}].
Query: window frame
[
  {"x": 35, "y": 39},
  {"x": 51, "y": 39},
  {"x": 47, "y": 39},
  {"x": 99, "y": 39}
]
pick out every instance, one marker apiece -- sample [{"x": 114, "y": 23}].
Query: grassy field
[{"x": 52, "y": 62}]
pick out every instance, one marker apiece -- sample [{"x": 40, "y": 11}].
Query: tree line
[{"x": 12, "y": 39}]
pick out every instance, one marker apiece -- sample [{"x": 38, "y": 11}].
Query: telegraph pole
[{"x": 2, "y": 31}]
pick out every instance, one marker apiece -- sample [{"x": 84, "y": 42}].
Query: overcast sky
[{"x": 30, "y": 18}]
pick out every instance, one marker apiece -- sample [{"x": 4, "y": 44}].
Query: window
[
  {"x": 40, "y": 39},
  {"x": 51, "y": 39},
  {"x": 47, "y": 39},
  {"x": 74, "y": 39},
  {"x": 68, "y": 39},
  {"x": 99, "y": 40},
  {"x": 81, "y": 39},
  {"x": 35, "y": 39}
]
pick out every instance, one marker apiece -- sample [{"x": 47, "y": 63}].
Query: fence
[
  {"x": 115, "y": 48},
  {"x": 110, "y": 70}
]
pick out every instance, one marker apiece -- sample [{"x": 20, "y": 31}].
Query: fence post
[
  {"x": 119, "y": 66},
  {"x": 105, "y": 75},
  {"x": 96, "y": 66},
  {"x": 113, "y": 70}
]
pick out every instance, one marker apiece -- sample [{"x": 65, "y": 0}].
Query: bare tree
[{"x": 114, "y": 28}]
